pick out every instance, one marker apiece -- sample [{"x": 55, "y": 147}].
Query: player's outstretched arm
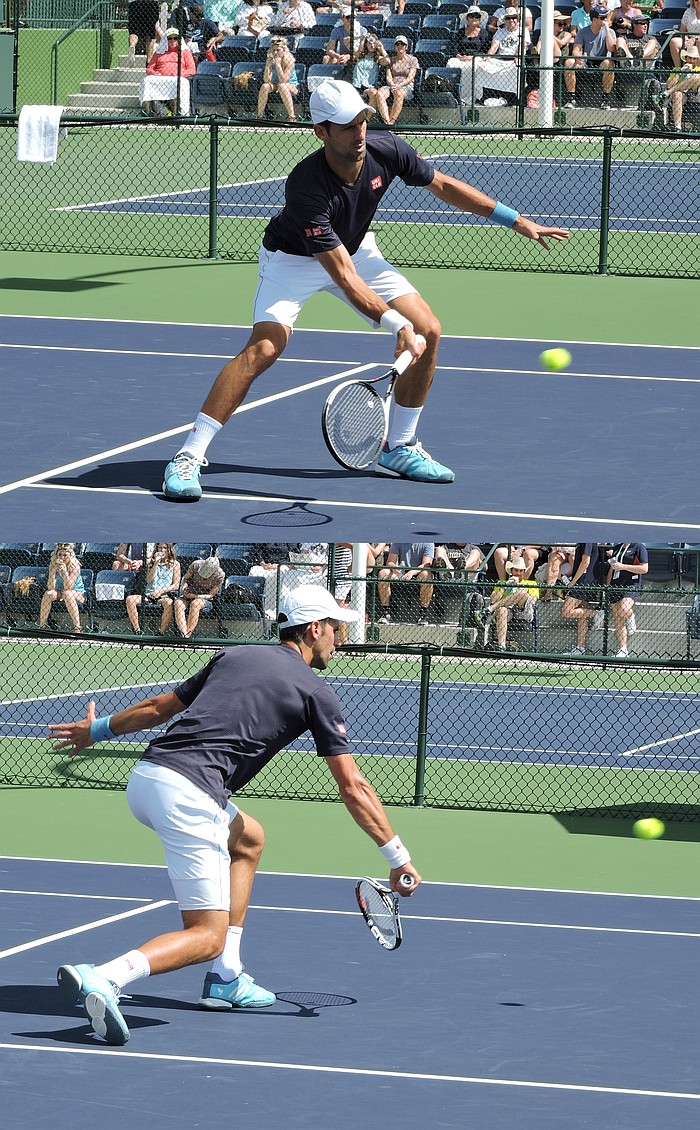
[
  {"x": 367, "y": 811},
  {"x": 469, "y": 199},
  {"x": 77, "y": 736}
]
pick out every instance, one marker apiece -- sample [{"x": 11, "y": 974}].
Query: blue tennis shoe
[
  {"x": 100, "y": 999},
  {"x": 181, "y": 479},
  {"x": 411, "y": 461},
  {"x": 241, "y": 993}
]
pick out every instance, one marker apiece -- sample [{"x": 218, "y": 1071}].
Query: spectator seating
[
  {"x": 419, "y": 7},
  {"x": 403, "y": 24},
  {"x": 325, "y": 20},
  {"x": 5, "y": 579},
  {"x": 18, "y": 553},
  {"x": 674, "y": 13},
  {"x": 437, "y": 23},
  {"x": 318, "y": 71},
  {"x": 443, "y": 106},
  {"x": 23, "y": 611},
  {"x": 235, "y": 48},
  {"x": 228, "y": 552},
  {"x": 310, "y": 49},
  {"x": 432, "y": 52},
  {"x": 256, "y": 586},
  {"x": 43, "y": 554},
  {"x": 239, "y": 620},
  {"x": 97, "y": 555},
  {"x": 454, "y": 8},
  {"x": 108, "y": 608},
  {"x": 189, "y": 551},
  {"x": 241, "y": 98},
  {"x": 209, "y": 87},
  {"x": 665, "y": 566},
  {"x": 372, "y": 21}
]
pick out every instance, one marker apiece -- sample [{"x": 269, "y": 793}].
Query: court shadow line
[{"x": 148, "y": 475}]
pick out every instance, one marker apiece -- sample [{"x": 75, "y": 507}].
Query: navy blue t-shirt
[
  {"x": 627, "y": 553},
  {"x": 246, "y": 705},
  {"x": 322, "y": 212},
  {"x": 587, "y": 549}
]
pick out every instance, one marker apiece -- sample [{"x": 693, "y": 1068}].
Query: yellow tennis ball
[
  {"x": 555, "y": 360},
  {"x": 649, "y": 829}
]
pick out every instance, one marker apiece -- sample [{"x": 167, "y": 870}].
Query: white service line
[
  {"x": 420, "y": 1076},
  {"x": 31, "y": 480},
  {"x": 85, "y": 928}
]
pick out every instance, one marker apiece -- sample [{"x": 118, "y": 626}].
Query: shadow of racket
[
  {"x": 308, "y": 1004},
  {"x": 293, "y": 516}
]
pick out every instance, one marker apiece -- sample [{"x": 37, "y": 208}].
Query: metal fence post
[
  {"x": 419, "y": 792},
  {"x": 605, "y": 206},
  {"x": 213, "y": 187}
]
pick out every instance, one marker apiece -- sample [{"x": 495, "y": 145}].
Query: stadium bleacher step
[
  {"x": 111, "y": 91},
  {"x": 103, "y": 102}
]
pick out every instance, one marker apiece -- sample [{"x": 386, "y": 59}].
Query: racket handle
[
  {"x": 404, "y": 359},
  {"x": 407, "y": 881}
]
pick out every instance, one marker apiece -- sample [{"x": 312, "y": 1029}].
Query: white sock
[
  {"x": 229, "y": 964},
  {"x": 203, "y": 432},
  {"x": 402, "y": 425},
  {"x": 125, "y": 969}
]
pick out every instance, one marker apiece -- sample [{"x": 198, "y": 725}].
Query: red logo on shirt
[
  {"x": 376, "y": 182},
  {"x": 341, "y": 727},
  {"x": 311, "y": 232}
]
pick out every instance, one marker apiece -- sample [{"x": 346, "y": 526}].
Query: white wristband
[
  {"x": 395, "y": 853},
  {"x": 392, "y": 321}
]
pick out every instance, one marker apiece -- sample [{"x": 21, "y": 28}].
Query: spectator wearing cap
[
  {"x": 564, "y": 36},
  {"x": 159, "y": 88},
  {"x": 684, "y": 85},
  {"x": 294, "y": 17},
  {"x": 500, "y": 69},
  {"x": 689, "y": 33},
  {"x": 400, "y": 77},
  {"x": 636, "y": 44},
  {"x": 593, "y": 47},
  {"x": 473, "y": 39},
  {"x": 346, "y": 41},
  {"x": 513, "y": 599},
  {"x": 200, "y": 585}
]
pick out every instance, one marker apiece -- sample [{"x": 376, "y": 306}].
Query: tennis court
[
  {"x": 112, "y": 400},
  {"x": 529, "y": 1016}
]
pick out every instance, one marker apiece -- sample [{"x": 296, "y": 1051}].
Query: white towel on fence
[{"x": 38, "y": 133}]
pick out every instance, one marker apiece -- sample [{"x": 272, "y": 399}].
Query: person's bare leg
[{"x": 266, "y": 343}]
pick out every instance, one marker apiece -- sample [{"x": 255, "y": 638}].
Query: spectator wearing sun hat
[
  {"x": 473, "y": 39},
  {"x": 500, "y": 69},
  {"x": 514, "y": 598},
  {"x": 593, "y": 47},
  {"x": 498, "y": 18},
  {"x": 684, "y": 85},
  {"x": 564, "y": 36}
]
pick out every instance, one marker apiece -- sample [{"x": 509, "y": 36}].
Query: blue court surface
[
  {"x": 94, "y": 409},
  {"x": 543, "y": 725},
  {"x": 504, "y": 1007},
  {"x": 542, "y": 197}
]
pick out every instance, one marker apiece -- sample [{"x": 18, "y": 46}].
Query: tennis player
[
  {"x": 320, "y": 241},
  {"x": 245, "y": 706}
]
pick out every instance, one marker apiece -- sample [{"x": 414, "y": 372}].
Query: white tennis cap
[
  {"x": 307, "y": 603},
  {"x": 336, "y": 101}
]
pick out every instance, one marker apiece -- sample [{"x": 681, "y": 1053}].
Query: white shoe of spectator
[
  {"x": 622, "y": 653},
  {"x": 631, "y": 624},
  {"x": 578, "y": 650},
  {"x": 598, "y": 620}
]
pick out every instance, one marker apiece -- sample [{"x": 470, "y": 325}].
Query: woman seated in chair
[
  {"x": 162, "y": 585},
  {"x": 279, "y": 77},
  {"x": 64, "y": 583},
  {"x": 370, "y": 57}
]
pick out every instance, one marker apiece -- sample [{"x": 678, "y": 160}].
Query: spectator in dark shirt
[
  {"x": 320, "y": 241},
  {"x": 627, "y": 565},
  {"x": 583, "y": 594}
]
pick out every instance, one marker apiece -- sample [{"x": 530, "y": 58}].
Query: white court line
[
  {"x": 660, "y": 742},
  {"x": 85, "y": 928},
  {"x": 31, "y": 480},
  {"x": 491, "y": 922},
  {"x": 98, "y": 690},
  {"x": 498, "y": 371},
  {"x": 364, "y": 1072},
  {"x": 327, "y": 332},
  {"x": 72, "y": 895},
  {"x": 632, "y": 523}
]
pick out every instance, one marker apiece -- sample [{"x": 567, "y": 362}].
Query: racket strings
[
  {"x": 380, "y": 911},
  {"x": 355, "y": 422}
]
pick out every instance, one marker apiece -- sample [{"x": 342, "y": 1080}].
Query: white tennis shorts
[
  {"x": 193, "y": 830},
  {"x": 288, "y": 281}
]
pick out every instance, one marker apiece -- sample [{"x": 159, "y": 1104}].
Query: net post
[
  {"x": 605, "y": 206},
  {"x": 419, "y": 791},
  {"x": 213, "y": 251}
]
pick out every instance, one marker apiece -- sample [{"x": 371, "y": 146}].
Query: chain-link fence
[
  {"x": 455, "y": 729},
  {"x": 439, "y": 607},
  {"x": 209, "y": 190}
]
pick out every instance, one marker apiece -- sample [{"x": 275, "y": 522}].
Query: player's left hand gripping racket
[
  {"x": 355, "y": 417},
  {"x": 380, "y": 909}
]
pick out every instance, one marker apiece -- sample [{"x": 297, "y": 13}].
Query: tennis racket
[
  {"x": 380, "y": 909},
  {"x": 355, "y": 417}
]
